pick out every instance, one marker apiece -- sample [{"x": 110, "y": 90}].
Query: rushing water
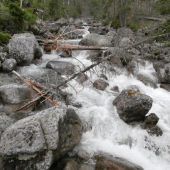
[{"x": 108, "y": 132}]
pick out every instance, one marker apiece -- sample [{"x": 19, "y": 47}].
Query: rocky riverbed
[{"x": 115, "y": 115}]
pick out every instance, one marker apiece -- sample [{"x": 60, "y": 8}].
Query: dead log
[{"x": 34, "y": 88}]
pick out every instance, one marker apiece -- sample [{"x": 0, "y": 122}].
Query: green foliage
[
  {"x": 113, "y": 21},
  {"x": 4, "y": 38},
  {"x": 29, "y": 17},
  {"x": 17, "y": 14},
  {"x": 163, "y": 6},
  {"x": 57, "y": 9},
  {"x": 164, "y": 27},
  {"x": 133, "y": 25}
]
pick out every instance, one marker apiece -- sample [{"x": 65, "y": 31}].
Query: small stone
[
  {"x": 100, "y": 84},
  {"x": 115, "y": 88},
  {"x": 103, "y": 76},
  {"x": 9, "y": 65},
  {"x": 83, "y": 155}
]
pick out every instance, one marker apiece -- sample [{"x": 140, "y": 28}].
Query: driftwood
[{"x": 32, "y": 84}]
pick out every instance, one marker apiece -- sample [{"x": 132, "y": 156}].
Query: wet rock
[
  {"x": 3, "y": 56},
  {"x": 118, "y": 56},
  {"x": 14, "y": 96},
  {"x": 150, "y": 125},
  {"x": 61, "y": 67},
  {"x": 155, "y": 130},
  {"x": 95, "y": 55},
  {"x": 151, "y": 120},
  {"x": 165, "y": 86},
  {"x": 23, "y": 48},
  {"x": 148, "y": 56},
  {"x": 9, "y": 65},
  {"x": 37, "y": 141},
  {"x": 108, "y": 162},
  {"x": 96, "y": 40},
  {"x": 100, "y": 84},
  {"x": 78, "y": 105},
  {"x": 81, "y": 78},
  {"x": 133, "y": 66},
  {"x": 65, "y": 54},
  {"x": 147, "y": 80},
  {"x": 115, "y": 88},
  {"x": 132, "y": 106},
  {"x": 83, "y": 155},
  {"x": 103, "y": 76}
]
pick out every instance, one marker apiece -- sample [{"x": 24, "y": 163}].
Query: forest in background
[{"x": 117, "y": 13}]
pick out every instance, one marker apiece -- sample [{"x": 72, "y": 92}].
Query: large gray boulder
[
  {"x": 37, "y": 141},
  {"x": 96, "y": 40},
  {"x": 132, "y": 105},
  {"x": 61, "y": 67},
  {"x": 24, "y": 48},
  {"x": 9, "y": 65},
  {"x": 13, "y": 96}
]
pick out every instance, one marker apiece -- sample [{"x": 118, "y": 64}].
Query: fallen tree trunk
[
  {"x": 52, "y": 45},
  {"x": 28, "y": 82}
]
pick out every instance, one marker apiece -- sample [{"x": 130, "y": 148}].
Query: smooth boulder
[
  {"x": 24, "y": 48},
  {"x": 132, "y": 106}
]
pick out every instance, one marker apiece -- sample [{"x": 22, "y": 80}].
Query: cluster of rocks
[
  {"x": 41, "y": 140},
  {"x": 22, "y": 50}
]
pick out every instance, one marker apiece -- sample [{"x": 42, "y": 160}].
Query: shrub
[
  {"x": 4, "y": 38},
  {"x": 133, "y": 25}
]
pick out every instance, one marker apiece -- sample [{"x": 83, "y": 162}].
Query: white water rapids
[{"x": 108, "y": 132}]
